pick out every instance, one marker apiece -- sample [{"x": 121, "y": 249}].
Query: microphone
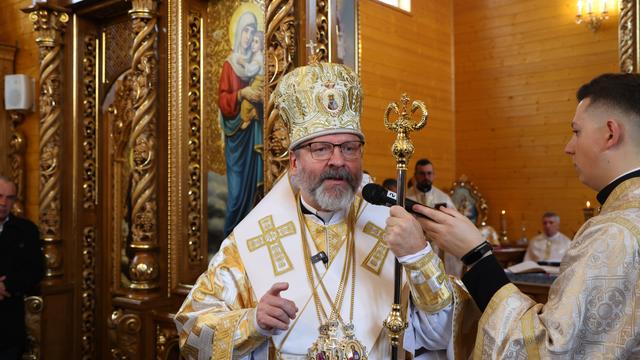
[
  {"x": 321, "y": 256},
  {"x": 377, "y": 195}
]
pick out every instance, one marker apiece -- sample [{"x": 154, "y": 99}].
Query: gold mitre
[{"x": 319, "y": 99}]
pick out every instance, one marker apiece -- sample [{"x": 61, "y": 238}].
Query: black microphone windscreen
[{"x": 375, "y": 194}]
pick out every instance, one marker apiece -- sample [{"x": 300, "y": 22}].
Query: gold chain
[{"x": 348, "y": 267}]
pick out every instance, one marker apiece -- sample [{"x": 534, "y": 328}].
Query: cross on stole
[
  {"x": 375, "y": 259},
  {"x": 271, "y": 237}
]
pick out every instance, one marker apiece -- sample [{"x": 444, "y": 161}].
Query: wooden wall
[
  {"x": 411, "y": 53},
  {"x": 518, "y": 65},
  {"x": 15, "y": 28}
]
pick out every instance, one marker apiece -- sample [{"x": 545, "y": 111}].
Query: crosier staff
[{"x": 402, "y": 149}]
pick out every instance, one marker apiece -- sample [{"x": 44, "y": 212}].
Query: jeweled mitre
[{"x": 319, "y": 99}]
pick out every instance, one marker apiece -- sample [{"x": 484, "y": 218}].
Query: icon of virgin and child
[{"x": 241, "y": 112}]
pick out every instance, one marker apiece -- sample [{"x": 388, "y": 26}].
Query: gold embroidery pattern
[
  {"x": 223, "y": 335},
  {"x": 528, "y": 334},
  {"x": 493, "y": 306},
  {"x": 336, "y": 234},
  {"x": 427, "y": 282},
  {"x": 272, "y": 238},
  {"x": 375, "y": 259}
]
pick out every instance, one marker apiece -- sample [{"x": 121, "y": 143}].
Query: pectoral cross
[
  {"x": 375, "y": 259},
  {"x": 271, "y": 237}
]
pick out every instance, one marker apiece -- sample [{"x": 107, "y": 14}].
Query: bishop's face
[{"x": 328, "y": 184}]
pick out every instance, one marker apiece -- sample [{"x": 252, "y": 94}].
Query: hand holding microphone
[{"x": 377, "y": 195}]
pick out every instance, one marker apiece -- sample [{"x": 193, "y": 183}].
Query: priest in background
[
  {"x": 551, "y": 245},
  {"x": 424, "y": 192}
]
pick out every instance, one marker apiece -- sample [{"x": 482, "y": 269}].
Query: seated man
[
  {"x": 551, "y": 244},
  {"x": 302, "y": 275}
]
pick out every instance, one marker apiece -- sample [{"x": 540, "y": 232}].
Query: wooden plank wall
[
  {"x": 15, "y": 28},
  {"x": 411, "y": 53},
  {"x": 518, "y": 65}
]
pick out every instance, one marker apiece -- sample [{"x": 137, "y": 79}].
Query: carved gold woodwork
[
  {"x": 17, "y": 147},
  {"x": 88, "y": 297},
  {"x": 124, "y": 334},
  {"x": 194, "y": 216},
  {"x": 89, "y": 123},
  {"x": 49, "y": 25},
  {"x": 322, "y": 30},
  {"x": 216, "y": 51},
  {"x": 280, "y": 52},
  {"x": 628, "y": 36},
  {"x": 33, "y": 306},
  {"x": 144, "y": 267},
  {"x": 167, "y": 345}
]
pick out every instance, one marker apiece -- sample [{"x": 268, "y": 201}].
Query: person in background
[
  {"x": 551, "y": 245},
  {"x": 390, "y": 184},
  {"x": 424, "y": 192},
  {"x": 592, "y": 311},
  {"x": 21, "y": 269}
]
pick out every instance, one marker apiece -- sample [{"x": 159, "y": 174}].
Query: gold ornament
[{"x": 319, "y": 99}]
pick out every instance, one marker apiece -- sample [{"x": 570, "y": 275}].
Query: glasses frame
[{"x": 308, "y": 145}]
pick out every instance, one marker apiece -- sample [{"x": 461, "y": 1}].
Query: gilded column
[
  {"x": 280, "y": 38},
  {"x": 144, "y": 267},
  {"x": 49, "y": 24},
  {"x": 17, "y": 146},
  {"x": 627, "y": 36},
  {"x": 322, "y": 30}
]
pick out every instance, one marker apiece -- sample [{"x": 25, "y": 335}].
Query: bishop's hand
[
  {"x": 403, "y": 234},
  {"x": 273, "y": 311}
]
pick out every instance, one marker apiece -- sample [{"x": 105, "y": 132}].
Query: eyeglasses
[{"x": 323, "y": 150}]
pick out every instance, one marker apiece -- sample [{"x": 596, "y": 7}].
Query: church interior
[{"x": 119, "y": 154}]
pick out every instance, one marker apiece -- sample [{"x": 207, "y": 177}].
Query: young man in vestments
[
  {"x": 307, "y": 275},
  {"x": 593, "y": 309}
]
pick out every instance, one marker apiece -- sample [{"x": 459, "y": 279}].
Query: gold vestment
[
  {"x": 593, "y": 308},
  {"x": 216, "y": 319}
]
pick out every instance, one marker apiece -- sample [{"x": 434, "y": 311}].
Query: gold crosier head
[{"x": 402, "y": 148}]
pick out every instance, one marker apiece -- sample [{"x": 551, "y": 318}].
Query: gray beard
[{"x": 338, "y": 198}]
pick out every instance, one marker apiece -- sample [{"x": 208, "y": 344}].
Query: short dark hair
[
  {"x": 421, "y": 162},
  {"x": 621, "y": 91},
  {"x": 389, "y": 182}
]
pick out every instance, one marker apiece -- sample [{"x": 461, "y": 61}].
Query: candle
[
  {"x": 588, "y": 211},
  {"x": 604, "y": 6},
  {"x": 503, "y": 228},
  {"x": 579, "y": 6},
  {"x": 589, "y": 4}
]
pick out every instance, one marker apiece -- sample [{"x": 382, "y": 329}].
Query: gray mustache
[{"x": 336, "y": 174}]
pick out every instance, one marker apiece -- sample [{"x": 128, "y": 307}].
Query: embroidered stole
[{"x": 270, "y": 245}]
